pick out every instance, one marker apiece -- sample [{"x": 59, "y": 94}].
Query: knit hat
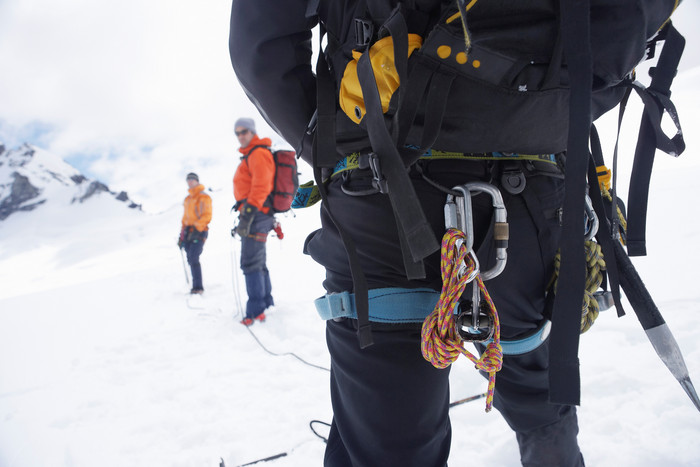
[
  {"x": 192, "y": 176},
  {"x": 244, "y": 122}
]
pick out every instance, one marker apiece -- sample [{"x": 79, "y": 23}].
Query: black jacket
[{"x": 270, "y": 47}]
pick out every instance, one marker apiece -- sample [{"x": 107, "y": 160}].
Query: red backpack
[{"x": 286, "y": 180}]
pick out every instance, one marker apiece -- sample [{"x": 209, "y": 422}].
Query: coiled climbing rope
[
  {"x": 595, "y": 265},
  {"x": 440, "y": 342}
]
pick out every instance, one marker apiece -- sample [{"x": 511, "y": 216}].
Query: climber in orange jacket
[
  {"x": 194, "y": 231},
  {"x": 252, "y": 185}
]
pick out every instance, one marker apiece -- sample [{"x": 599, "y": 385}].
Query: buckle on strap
[
  {"x": 386, "y": 305},
  {"x": 378, "y": 179},
  {"x": 363, "y": 32}
]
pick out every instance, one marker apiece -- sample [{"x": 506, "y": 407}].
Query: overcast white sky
[{"x": 138, "y": 93}]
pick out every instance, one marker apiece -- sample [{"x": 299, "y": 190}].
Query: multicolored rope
[{"x": 440, "y": 343}]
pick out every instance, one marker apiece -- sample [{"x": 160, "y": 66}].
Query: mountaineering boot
[
  {"x": 552, "y": 445},
  {"x": 269, "y": 301},
  {"x": 249, "y": 321}
]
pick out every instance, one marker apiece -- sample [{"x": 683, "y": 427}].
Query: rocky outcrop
[
  {"x": 27, "y": 172},
  {"x": 21, "y": 192}
]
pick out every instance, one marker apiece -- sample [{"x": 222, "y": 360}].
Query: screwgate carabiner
[{"x": 458, "y": 215}]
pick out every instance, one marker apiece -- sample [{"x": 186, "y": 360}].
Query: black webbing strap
[
  {"x": 605, "y": 214},
  {"x": 564, "y": 378},
  {"x": 414, "y": 269},
  {"x": 396, "y": 27},
  {"x": 415, "y": 89},
  {"x": 597, "y": 154},
  {"x": 434, "y": 82},
  {"x": 379, "y": 11},
  {"x": 325, "y": 143},
  {"x": 438, "y": 94},
  {"x": 419, "y": 236},
  {"x": 656, "y": 101},
  {"x": 245, "y": 156},
  {"x": 359, "y": 281},
  {"x": 325, "y": 109}
]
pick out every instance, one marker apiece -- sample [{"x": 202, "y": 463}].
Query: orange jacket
[
  {"x": 255, "y": 177},
  {"x": 197, "y": 209}
]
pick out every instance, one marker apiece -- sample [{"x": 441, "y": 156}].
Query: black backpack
[{"x": 522, "y": 67}]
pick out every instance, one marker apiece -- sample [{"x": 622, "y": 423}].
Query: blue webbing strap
[{"x": 398, "y": 305}]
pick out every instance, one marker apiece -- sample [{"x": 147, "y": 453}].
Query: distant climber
[
  {"x": 195, "y": 228},
  {"x": 253, "y": 183}
]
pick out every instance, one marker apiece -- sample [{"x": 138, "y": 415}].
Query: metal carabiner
[
  {"x": 475, "y": 325},
  {"x": 458, "y": 215},
  {"x": 591, "y": 220}
]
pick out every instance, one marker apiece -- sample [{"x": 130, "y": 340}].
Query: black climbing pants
[{"x": 390, "y": 405}]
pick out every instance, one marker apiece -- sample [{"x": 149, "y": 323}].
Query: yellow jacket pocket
[{"x": 381, "y": 55}]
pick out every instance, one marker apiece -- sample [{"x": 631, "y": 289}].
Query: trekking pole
[
  {"x": 234, "y": 276},
  {"x": 184, "y": 266},
  {"x": 271, "y": 458},
  {"x": 653, "y": 323},
  {"x": 467, "y": 399}
]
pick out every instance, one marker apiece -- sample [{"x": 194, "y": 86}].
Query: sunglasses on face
[{"x": 242, "y": 132}]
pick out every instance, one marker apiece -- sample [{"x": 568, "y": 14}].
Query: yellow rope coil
[{"x": 595, "y": 265}]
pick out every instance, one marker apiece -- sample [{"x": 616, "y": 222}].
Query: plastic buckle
[
  {"x": 484, "y": 328},
  {"x": 363, "y": 32},
  {"x": 378, "y": 181}
]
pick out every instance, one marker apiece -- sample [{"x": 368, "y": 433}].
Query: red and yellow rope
[{"x": 440, "y": 343}]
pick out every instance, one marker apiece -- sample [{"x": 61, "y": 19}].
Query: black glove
[
  {"x": 190, "y": 234},
  {"x": 196, "y": 236},
  {"x": 245, "y": 219}
]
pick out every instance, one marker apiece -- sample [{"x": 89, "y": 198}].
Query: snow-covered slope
[{"x": 104, "y": 363}]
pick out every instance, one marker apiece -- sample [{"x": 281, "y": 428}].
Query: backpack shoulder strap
[
  {"x": 564, "y": 379},
  {"x": 656, "y": 102},
  {"x": 245, "y": 156}
]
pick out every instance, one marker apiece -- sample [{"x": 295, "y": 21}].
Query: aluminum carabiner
[
  {"x": 458, "y": 215},
  {"x": 591, "y": 220}
]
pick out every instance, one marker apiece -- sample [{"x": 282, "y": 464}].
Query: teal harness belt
[
  {"x": 398, "y": 305},
  {"x": 390, "y": 305}
]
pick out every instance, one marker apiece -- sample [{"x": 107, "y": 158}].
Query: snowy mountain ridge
[{"x": 30, "y": 176}]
